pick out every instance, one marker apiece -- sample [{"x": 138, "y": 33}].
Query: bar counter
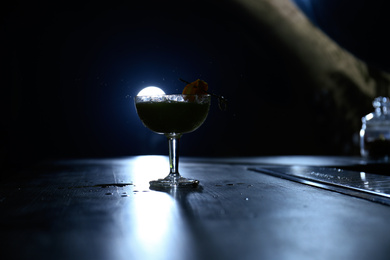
[{"x": 104, "y": 209}]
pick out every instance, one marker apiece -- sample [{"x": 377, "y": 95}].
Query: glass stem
[{"x": 174, "y": 156}]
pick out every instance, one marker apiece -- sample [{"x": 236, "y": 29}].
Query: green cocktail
[{"x": 173, "y": 116}]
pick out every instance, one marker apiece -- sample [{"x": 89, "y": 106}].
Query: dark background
[
  {"x": 360, "y": 26},
  {"x": 71, "y": 70}
]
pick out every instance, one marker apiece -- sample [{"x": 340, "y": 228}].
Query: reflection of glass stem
[{"x": 364, "y": 179}]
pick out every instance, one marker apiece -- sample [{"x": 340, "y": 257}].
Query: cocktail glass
[{"x": 173, "y": 116}]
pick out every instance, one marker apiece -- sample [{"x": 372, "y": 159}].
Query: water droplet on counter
[
  {"x": 246, "y": 198},
  {"x": 109, "y": 193},
  {"x": 113, "y": 185}
]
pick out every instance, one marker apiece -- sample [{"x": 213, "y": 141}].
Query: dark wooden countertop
[{"x": 104, "y": 209}]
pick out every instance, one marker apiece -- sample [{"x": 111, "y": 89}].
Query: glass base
[{"x": 174, "y": 182}]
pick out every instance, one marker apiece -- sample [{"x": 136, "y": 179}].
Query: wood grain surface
[{"x": 104, "y": 209}]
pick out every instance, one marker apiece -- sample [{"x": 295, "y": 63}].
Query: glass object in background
[
  {"x": 375, "y": 132},
  {"x": 173, "y": 116}
]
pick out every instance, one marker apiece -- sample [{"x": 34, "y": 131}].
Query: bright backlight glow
[{"x": 151, "y": 91}]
